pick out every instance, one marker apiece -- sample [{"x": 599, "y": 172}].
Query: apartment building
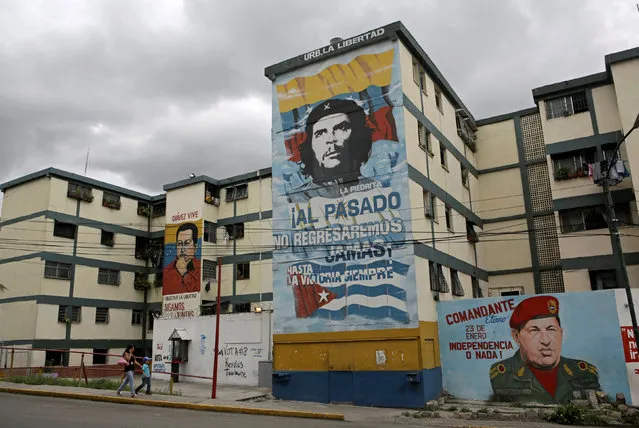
[
  {"x": 81, "y": 261},
  {"x": 489, "y": 207},
  {"x": 535, "y": 183}
]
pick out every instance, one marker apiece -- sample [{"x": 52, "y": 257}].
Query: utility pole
[{"x": 621, "y": 270}]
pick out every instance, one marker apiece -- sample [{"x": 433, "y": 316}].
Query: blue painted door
[{"x": 341, "y": 388}]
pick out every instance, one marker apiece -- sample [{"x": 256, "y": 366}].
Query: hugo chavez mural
[
  {"x": 541, "y": 348},
  {"x": 342, "y": 258}
]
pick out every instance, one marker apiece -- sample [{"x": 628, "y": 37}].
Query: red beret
[{"x": 534, "y": 307}]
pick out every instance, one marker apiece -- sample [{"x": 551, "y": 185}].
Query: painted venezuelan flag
[{"x": 365, "y": 79}]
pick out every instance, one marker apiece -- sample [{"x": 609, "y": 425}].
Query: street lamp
[{"x": 614, "y": 233}]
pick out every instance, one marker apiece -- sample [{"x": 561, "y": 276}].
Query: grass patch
[
  {"x": 569, "y": 414},
  {"x": 465, "y": 410},
  {"x": 452, "y": 409},
  {"x": 42, "y": 380},
  {"x": 482, "y": 410}
]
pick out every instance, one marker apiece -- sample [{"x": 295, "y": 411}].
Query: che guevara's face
[
  {"x": 330, "y": 140},
  {"x": 539, "y": 342}
]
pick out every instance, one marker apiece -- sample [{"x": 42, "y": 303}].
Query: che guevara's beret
[
  {"x": 333, "y": 106},
  {"x": 534, "y": 307}
]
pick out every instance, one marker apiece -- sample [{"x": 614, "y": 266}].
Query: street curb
[{"x": 178, "y": 405}]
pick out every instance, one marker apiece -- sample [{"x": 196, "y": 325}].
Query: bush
[{"x": 568, "y": 414}]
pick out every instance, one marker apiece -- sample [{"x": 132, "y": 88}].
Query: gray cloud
[{"x": 160, "y": 89}]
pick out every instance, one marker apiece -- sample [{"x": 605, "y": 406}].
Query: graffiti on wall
[
  {"x": 182, "y": 266},
  {"x": 237, "y": 361},
  {"x": 340, "y": 196},
  {"x": 532, "y": 348}
]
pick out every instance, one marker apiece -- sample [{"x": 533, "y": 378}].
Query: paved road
[{"x": 23, "y": 411}]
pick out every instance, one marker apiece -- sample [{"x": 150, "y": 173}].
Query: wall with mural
[
  {"x": 538, "y": 348},
  {"x": 340, "y": 196},
  {"x": 244, "y": 341},
  {"x": 182, "y": 267}
]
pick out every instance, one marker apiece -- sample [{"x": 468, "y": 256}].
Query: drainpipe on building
[{"x": 614, "y": 232}]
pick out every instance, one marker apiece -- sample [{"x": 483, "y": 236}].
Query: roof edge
[
  {"x": 507, "y": 116},
  {"x": 54, "y": 172},
  {"x": 596, "y": 79}
]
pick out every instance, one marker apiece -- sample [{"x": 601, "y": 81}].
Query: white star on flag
[{"x": 323, "y": 296}]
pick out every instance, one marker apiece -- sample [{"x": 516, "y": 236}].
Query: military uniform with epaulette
[{"x": 514, "y": 380}]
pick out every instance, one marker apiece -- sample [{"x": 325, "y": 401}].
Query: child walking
[{"x": 146, "y": 377}]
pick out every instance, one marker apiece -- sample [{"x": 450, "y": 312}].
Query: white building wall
[{"x": 245, "y": 339}]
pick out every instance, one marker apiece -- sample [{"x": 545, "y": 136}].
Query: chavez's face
[
  {"x": 540, "y": 342},
  {"x": 330, "y": 138},
  {"x": 185, "y": 245}
]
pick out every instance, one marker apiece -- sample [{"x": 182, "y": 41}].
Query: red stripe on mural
[{"x": 382, "y": 122}]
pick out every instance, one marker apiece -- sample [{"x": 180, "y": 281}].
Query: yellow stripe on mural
[{"x": 362, "y": 72}]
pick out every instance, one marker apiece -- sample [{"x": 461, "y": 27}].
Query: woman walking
[{"x": 129, "y": 369}]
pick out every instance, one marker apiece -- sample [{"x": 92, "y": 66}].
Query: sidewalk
[{"x": 249, "y": 400}]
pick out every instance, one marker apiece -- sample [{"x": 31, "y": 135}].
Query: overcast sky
[{"x": 163, "y": 88}]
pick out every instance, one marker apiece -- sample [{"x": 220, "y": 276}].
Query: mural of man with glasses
[{"x": 182, "y": 275}]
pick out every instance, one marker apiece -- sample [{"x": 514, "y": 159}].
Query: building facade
[{"x": 473, "y": 208}]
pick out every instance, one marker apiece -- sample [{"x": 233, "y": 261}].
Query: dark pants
[{"x": 145, "y": 381}]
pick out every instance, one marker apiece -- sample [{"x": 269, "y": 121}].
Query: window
[
  {"x": 241, "y": 307},
  {"x": 151, "y": 319},
  {"x": 590, "y": 218},
  {"x": 75, "y": 314},
  {"x": 144, "y": 209},
  {"x": 471, "y": 234},
  {"x": 111, "y": 200},
  {"x": 57, "y": 270},
  {"x": 158, "y": 210},
  {"x": 136, "y": 317},
  {"x": 566, "y": 106},
  {"x": 141, "y": 281},
  {"x": 158, "y": 280},
  {"x": 141, "y": 247},
  {"x": 443, "y": 156},
  {"x": 99, "y": 356},
  {"x": 209, "y": 269},
  {"x": 424, "y": 139},
  {"x": 243, "y": 271},
  {"x": 477, "y": 293},
  {"x": 438, "y": 99},
  {"x": 101, "y": 315},
  {"x": 573, "y": 164},
  {"x": 54, "y": 357},
  {"x": 210, "y": 232},
  {"x": 430, "y": 207},
  {"x": 449, "y": 217},
  {"x": 437, "y": 280},
  {"x": 212, "y": 195},
  {"x": 443, "y": 285},
  {"x": 64, "y": 230},
  {"x": 107, "y": 238},
  {"x": 464, "y": 177},
  {"x": 78, "y": 191},
  {"x": 603, "y": 279},
  {"x": 236, "y": 192},
  {"x": 416, "y": 72},
  {"x": 510, "y": 293},
  {"x": 235, "y": 231},
  {"x": 458, "y": 290},
  {"x": 108, "y": 276},
  {"x": 434, "y": 282}
]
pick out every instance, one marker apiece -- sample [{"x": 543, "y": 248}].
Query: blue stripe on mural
[
  {"x": 374, "y": 291},
  {"x": 363, "y": 311}
]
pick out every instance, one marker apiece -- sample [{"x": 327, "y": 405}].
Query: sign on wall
[
  {"x": 181, "y": 279},
  {"x": 539, "y": 348},
  {"x": 340, "y": 196}
]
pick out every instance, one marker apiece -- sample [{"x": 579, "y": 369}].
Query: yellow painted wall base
[{"x": 371, "y": 350}]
